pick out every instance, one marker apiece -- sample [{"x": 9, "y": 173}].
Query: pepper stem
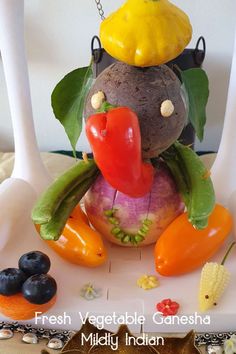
[
  {"x": 105, "y": 107},
  {"x": 85, "y": 157},
  {"x": 228, "y": 252}
]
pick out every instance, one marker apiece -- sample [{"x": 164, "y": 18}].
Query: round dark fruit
[
  {"x": 35, "y": 262},
  {"x": 11, "y": 281},
  {"x": 39, "y": 289}
]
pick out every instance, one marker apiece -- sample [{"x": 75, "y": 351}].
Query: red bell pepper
[{"x": 115, "y": 140}]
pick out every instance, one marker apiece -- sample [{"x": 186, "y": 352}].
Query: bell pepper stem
[{"x": 105, "y": 107}]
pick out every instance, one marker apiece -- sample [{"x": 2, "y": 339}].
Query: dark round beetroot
[{"x": 144, "y": 90}]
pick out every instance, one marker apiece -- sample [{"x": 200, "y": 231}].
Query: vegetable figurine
[
  {"x": 181, "y": 248},
  {"x": 147, "y": 113},
  {"x": 214, "y": 280},
  {"x": 134, "y": 221},
  {"x": 146, "y": 92},
  {"x": 146, "y": 32},
  {"x": 116, "y": 143}
]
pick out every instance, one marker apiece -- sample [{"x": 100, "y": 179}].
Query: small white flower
[
  {"x": 230, "y": 345},
  {"x": 88, "y": 292}
]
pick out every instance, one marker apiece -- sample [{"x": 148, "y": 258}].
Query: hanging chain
[{"x": 100, "y": 9}]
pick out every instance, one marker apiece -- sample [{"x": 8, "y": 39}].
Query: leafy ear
[
  {"x": 67, "y": 101},
  {"x": 196, "y": 86}
]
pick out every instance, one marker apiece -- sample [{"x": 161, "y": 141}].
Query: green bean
[
  {"x": 54, "y": 228},
  {"x": 51, "y": 199},
  {"x": 180, "y": 179},
  {"x": 202, "y": 196}
]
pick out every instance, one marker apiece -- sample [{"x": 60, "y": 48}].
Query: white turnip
[{"x": 134, "y": 221}]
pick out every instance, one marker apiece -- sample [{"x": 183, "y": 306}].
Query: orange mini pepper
[
  {"x": 182, "y": 249},
  {"x": 79, "y": 243}
]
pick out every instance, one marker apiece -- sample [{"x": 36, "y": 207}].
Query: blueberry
[
  {"x": 34, "y": 262},
  {"x": 11, "y": 281},
  {"x": 39, "y": 289}
]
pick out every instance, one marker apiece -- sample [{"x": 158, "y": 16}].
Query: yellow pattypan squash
[{"x": 146, "y": 32}]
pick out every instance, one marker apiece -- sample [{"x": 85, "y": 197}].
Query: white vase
[
  {"x": 29, "y": 178},
  {"x": 28, "y": 164},
  {"x": 224, "y": 168}
]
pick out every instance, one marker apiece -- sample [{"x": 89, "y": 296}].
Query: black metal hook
[
  {"x": 199, "y": 55},
  {"x": 96, "y": 52}
]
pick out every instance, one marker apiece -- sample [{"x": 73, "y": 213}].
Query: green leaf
[
  {"x": 196, "y": 84},
  {"x": 68, "y": 101}
]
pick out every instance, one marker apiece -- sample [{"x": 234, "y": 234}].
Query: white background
[{"x": 58, "y": 34}]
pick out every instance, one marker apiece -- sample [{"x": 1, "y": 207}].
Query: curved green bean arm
[
  {"x": 54, "y": 228},
  {"x": 180, "y": 179},
  {"x": 202, "y": 195},
  {"x": 51, "y": 199},
  {"x": 193, "y": 181}
]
